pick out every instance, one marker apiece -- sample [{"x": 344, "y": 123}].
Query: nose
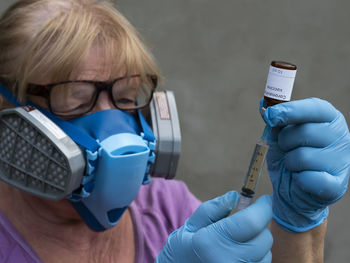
[{"x": 103, "y": 102}]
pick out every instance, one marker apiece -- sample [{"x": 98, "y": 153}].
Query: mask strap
[
  {"x": 8, "y": 95},
  {"x": 79, "y": 136},
  {"x": 150, "y": 140},
  {"x": 147, "y": 131}
]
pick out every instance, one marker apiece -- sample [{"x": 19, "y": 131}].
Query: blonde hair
[{"x": 52, "y": 37}]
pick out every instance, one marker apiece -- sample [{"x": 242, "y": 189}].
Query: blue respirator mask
[
  {"x": 118, "y": 167},
  {"x": 98, "y": 161}
]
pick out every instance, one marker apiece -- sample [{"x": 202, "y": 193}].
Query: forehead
[
  {"x": 93, "y": 66},
  {"x": 96, "y": 66}
]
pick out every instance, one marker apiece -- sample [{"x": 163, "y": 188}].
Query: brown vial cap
[{"x": 284, "y": 65}]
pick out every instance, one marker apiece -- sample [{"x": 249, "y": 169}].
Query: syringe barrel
[
  {"x": 243, "y": 202},
  {"x": 253, "y": 176},
  {"x": 255, "y": 167}
]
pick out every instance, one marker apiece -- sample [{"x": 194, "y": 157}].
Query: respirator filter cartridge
[{"x": 37, "y": 156}]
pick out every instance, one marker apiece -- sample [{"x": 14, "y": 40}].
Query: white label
[
  {"x": 279, "y": 84},
  {"x": 163, "y": 106},
  {"x": 51, "y": 126}
]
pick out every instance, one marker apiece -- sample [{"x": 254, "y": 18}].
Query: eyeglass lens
[{"x": 75, "y": 98}]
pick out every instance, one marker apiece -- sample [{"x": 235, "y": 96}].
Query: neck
[{"x": 55, "y": 227}]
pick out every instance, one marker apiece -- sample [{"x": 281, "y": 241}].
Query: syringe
[
  {"x": 278, "y": 89},
  {"x": 253, "y": 175}
]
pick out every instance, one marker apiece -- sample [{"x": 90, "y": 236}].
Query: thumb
[
  {"x": 247, "y": 223},
  {"x": 211, "y": 211}
]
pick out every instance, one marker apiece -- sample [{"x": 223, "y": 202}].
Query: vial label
[{"x": 279, "y": 84}]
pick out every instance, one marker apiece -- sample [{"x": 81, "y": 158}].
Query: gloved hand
[
  {"x": 209, "y": 236},
  {"x": 308, "y": 161}
]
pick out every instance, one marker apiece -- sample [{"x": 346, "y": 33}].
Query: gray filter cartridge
[
  {"x": 166, "y": 128},
  {"x": 37, "y": 156}
]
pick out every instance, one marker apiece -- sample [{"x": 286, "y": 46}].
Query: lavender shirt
[{"x": 159, "y": 209}]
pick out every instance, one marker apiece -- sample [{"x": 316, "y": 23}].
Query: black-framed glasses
[{"x": 77, "y": 97}]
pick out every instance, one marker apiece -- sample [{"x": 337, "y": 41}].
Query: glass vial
[{"x": 279, "y": 84}]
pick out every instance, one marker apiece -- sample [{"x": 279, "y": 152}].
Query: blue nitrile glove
[
  {"x": 209, "y": 236},
  {"x": 308, "y": 161}
]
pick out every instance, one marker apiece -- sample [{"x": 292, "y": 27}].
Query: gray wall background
[{"x": 215, "y": 56}]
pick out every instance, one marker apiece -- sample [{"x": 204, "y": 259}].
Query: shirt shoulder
[
  {"x": 13, "y": 248},
  {"x": 160, "y": 208},
  {"x": 169, "y": 200}
]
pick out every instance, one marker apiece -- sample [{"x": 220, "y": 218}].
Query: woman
[{"x": 81, "y": 61}]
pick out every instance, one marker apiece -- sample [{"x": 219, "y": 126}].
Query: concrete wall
[{"x": 215, "y": 57}]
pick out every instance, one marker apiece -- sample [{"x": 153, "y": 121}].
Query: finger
[
  {"x": 270, "y": 134},
  {"x": 211, "y": 211},
  {"x": 256, "y": 249},
  {"x": 300, "y": 111},
  {"x": 316, "y": 135},
  {"x": 322, "y": 185},
  {"x": 330, "y": 159},
  {"x": 262, "y": 106},
  {"x": 267, "y": 258},
  {"x": 247, "y": 223}
]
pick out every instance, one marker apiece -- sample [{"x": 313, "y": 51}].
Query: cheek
[{"x": 40, "y": 101}]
